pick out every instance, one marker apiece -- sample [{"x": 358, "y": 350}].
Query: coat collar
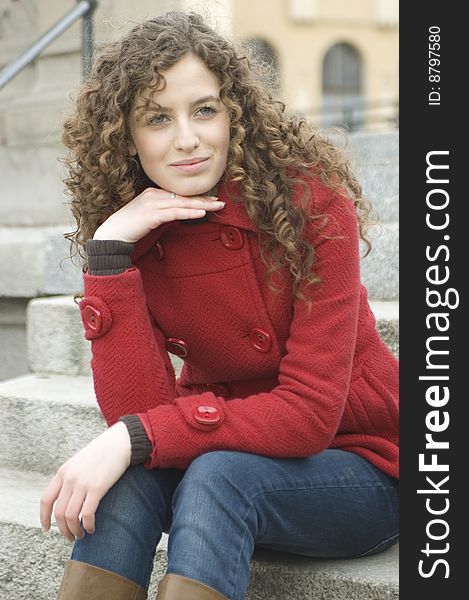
[{"x": 233, "y": 214}]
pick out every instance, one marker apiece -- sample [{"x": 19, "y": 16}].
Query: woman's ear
[{"x": 132, "y": 148}]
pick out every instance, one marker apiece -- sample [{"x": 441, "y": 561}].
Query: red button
[
  {"x": 207, "y": 414},
  {"x": 260, "y": 339},
  {"x": 92, "y": 318},
  {"x": 232, "y": 238},
  {"x": 177, "y": 347},
  {"x": 158, "y": 250},
  {"x": 218, "y": 389}
]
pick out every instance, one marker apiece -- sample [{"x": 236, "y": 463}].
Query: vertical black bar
[{"x": 433, "y": 299}]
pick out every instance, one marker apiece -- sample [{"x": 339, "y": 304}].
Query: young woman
[{"x": 221, "y": 230}]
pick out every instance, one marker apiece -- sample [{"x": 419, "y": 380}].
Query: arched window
[{"x": 342, "y": 87}]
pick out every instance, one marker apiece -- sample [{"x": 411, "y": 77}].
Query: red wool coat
[{"x": 260, "y": 374}]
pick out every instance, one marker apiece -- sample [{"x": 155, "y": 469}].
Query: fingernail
[
  {"x": 220, "y": 203},
  {"x": 213, "y": 197}
]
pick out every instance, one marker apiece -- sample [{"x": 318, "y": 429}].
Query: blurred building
[{"x": 337, "y": 59}]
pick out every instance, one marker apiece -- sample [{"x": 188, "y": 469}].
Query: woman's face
[{"x": 186, "y": 122}]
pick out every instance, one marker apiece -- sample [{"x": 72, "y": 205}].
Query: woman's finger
[
  {"x": 72, "y": 512},
  {"x": 90, "y": 506},
  {"x": 59, "y": 512},
  {"x": 166, "y": 215},
  {"x": 183, "y": 202},
  {"x": 48, "y": 498}
]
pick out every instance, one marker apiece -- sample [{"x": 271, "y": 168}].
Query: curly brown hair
[{"x": 270, "y": 151}]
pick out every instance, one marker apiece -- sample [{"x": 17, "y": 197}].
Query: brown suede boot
[
  {"x": 86, "y": 582},
  {"x": 177, "y": 587}
]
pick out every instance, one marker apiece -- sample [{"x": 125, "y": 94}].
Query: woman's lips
[{"x": 191, "y": 168}]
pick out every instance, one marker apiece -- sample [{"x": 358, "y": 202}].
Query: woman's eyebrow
[{"x": 199, "y": 101}]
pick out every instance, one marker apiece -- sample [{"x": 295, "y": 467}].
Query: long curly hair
[{"x": 270, "y": 152}]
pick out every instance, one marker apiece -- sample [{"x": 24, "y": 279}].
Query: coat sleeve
[
  {"x": 301, "y": 415},
  {"x": 130, "y": 365}
]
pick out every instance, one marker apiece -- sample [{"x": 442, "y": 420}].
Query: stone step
[
  {"x": 40, "y": 407},
  {"x": 32, "y": 184},
  {"x": 380, "y": 184},
  {"x": 380, "y": 269},
  {"x": 45, "y": 419},
  {"x": 34, "y": 261},
  {"x": 13, "y": 360},
  {"x": 63, "y": 348},
  {"x": 371, "y": 147},
  {"x": 31, "y": 562},
  {"x": 387, "y": 323},
  {"x": 375, "y": 162}
]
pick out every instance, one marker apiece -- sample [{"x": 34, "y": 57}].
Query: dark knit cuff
[
  {"x": 140, "y": 446},
  {"x": 108, "y": 257}
]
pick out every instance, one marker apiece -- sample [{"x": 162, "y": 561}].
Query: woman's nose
[{"x": 186, "y": 137}]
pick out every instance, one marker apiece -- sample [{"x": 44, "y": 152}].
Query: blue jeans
[{"x": 334, "y": 504}]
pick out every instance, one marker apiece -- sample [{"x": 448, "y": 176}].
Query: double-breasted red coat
[{"x": 261, "y": 374}]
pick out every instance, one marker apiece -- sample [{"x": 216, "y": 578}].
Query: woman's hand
[
  {"x": 83, "y": 480},
  {"x": 149, "y": 210}
]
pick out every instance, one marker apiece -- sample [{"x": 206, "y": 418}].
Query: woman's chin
[
  {"x": 204, "y": 186},
  {"x": 197, "y": 191}
]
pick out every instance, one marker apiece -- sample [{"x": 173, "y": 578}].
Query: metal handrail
[{"x": 84, "y": 9}]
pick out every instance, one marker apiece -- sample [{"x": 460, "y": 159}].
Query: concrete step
[
  {"x": 31, "y": 562},
  {"x": 32, "y": 183},
  {"x": 368, "y": 147},
  {"x": 13, "y": 336},
  {"x": 45, "y": 419},
  {"x": 34, "y": 262},
  {"x": 380, "y": 269},
  {"x": 63, "y": 348},
  {"x": 375, "y": 162},
  {"x": 380, "y": 184},
  {"x": 387, "y": 323},
  {"x": 57, "y": 414}
]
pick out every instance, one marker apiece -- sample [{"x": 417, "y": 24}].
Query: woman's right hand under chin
[{"x": 149, "y": 210}]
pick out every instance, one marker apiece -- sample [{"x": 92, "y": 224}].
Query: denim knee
[{"x": 214, "y": 463}]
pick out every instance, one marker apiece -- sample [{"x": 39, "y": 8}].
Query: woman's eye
[
  {"x": 156, "y": 119},
  {"x": 160, "y": 119},
  {"x": 207, "y": 110}
]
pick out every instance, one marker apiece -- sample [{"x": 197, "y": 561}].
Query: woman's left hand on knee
[{"x": 81, "y": 482}]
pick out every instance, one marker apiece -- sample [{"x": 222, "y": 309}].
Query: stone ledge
[
  {"x": 380, "y": 269},
  {"x": 63, "y": 348},
  {"x": 371, "y": 147},
  {"x": 380, "y": 183},
  {"x": 31, "y": 562},
  {"x": 55, "y": 415},
  {"x": 41, "y": 255},
  {"x": 387, "y": 323},
  {"x": 34, "y": 262},
  {"x": 32, "y": 186}
]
